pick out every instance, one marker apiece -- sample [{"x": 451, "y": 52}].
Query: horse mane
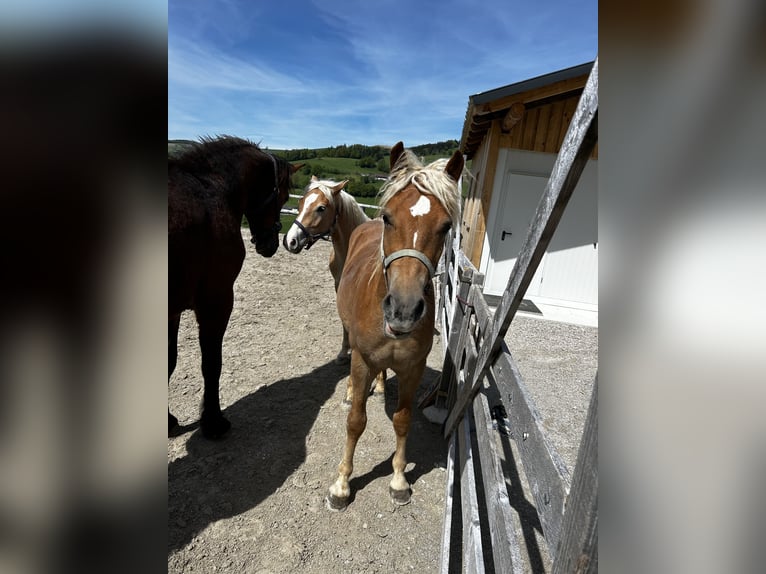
[
  {"x": 212, "y": 154},
  {"x": 430, "y": 179},
  {"x": 220, "y": 155},
  {"x": 347, "y": 204}
]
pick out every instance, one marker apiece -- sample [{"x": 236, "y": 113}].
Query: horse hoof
[
  {"x": 335, "y": 503},
  {"x": 214, "y": 428},
  {"x": 400, "y": 497},
  {"x": 172, "y": 425}
]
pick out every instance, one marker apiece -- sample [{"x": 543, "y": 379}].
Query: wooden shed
[{"x": 512, "y": 135}]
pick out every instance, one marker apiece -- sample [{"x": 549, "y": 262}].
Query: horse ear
[
  {"x": 396, "y": 151},
  {"x": 338, "y": 187},
  {"x": 314, "y": 178},
  {"x": 297, "y": 166},
  {"x": 455, "y": 165}
]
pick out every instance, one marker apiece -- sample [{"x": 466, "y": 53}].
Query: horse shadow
[
  {"x": 426, "y": 447},
  {"x": 222, "y": 479},
  {"x": 267, "y": 443}
]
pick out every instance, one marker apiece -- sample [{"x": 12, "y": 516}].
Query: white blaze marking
[
  {"x": 421, "y": 207},
  {"x": 306, "y": 204},
  {"x": 415, "y": 239}
]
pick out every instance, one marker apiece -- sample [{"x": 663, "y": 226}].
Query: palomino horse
[
  {"x": 210, "y": 187},
  {"x": 386, "y": 298},
  {"x": 326, "y": 211}
]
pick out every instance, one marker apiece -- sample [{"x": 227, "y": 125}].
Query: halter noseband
[
  {"x": 312, "y": 238},
  {"x": 409, "y": 253}
]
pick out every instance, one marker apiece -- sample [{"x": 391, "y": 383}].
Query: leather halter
[
  {"x": 272, "y": 196},
  {"x": 275, "y": 191},
  {"x": 409, "y": 253},
  {"x": 312, "y": 238}
]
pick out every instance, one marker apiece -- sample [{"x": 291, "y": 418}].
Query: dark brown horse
[
  {"x": 386, "y": 298},
  {"x": 210, "y": 188}
]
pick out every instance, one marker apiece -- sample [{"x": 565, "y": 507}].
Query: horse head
[
  {"x": 419, "y": 205},
  {"x": 317, "y": 215},
  {"x": 264, "y": 206}
]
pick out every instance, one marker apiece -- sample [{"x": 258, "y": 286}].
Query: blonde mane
[
  {"x": 430, "y": 179},
  {"x": 346, "y": 204}
]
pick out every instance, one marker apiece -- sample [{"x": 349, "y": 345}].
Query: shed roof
[{"x": 492, "y": 104}]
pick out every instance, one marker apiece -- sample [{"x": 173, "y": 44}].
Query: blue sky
[{"x": 293, "y": 74}]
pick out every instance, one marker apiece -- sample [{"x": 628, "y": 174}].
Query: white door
[
  {"x": 568, "y": 273},
  {"x": 514, "y": 213}
]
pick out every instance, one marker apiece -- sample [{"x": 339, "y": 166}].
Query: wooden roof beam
[
  {"x": 555, "y": 89},
  {"x": 512, "y": 117}
]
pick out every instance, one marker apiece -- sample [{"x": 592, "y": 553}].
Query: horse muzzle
[
  {"x": 294, "y": 240},
  {"x": 401, "y": 315},
  {"x": 266, "y": 246}
]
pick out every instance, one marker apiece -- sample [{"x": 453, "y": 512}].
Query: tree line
[{"x": 369, "y": 156}]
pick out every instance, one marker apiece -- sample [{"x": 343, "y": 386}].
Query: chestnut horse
[
  {"x": 386, "y": 298},
  {"x": 210, "y": 188},
  {"x": 327, "y": 212}
]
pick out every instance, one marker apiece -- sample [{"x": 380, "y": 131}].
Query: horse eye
[
  {"x": 386, "y": 220},
  {"x": 321, "y": 208}
]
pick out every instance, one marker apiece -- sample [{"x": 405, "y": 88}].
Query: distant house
[{"x": 513, "y": 134}]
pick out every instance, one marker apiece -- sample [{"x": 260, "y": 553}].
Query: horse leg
[
  {"x": 379, "y": 389},
  {"x": 361, "y": 379},
  {"x": 344, "y": 354},
  {"x": 399, "y": 488},
  {"x": 380, "y": 383},
  {"x": 212, "y": 322},
  {"x": 173, "y": 325}
]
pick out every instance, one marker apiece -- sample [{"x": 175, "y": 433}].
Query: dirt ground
[{"x": 254, "y": 502}]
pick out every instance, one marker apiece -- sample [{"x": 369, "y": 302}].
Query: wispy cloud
[{"x": 202, "y": 66}]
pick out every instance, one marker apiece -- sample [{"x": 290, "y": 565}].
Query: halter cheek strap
[
  {"x": 409, "y": 253},
  {"x": 275, "y": 191}
]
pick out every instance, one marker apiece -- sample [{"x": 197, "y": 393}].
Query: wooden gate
[{"x": 481, "y": 388}]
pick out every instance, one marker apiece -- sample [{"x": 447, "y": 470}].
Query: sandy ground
[{"x": 254, "y": 502}]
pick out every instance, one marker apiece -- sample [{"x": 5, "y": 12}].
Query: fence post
[{"x": 578, "y": 546}]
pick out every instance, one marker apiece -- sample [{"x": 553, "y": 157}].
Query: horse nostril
[
  {"x": 419, "y": 308},
  {"x": 387, "y": 302}
]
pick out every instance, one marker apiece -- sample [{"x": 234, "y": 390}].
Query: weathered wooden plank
[
  {"x": 517, "y": 135},
  {"x": 473, "y": 556},
  {"x": 570, "y": 107},
  {"x": 482, "y": 321},
  {"x": 458, "y": 331},
  {"x": 578, "y": 545},
  {"x": 506, "y": 554},
  {"x": 554, "y": 127},
  {"x": 581, "y": 138},
  {"x": 449, "y": 497},
  {"x": 542, "y": 127},
  {"x": 546, "y": 472},
  {"x": 529, "y": 126}
]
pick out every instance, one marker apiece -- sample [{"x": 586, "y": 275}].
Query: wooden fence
[
  {"x": 482, "y": 390},
  {"x": 293, "y": 211}
]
